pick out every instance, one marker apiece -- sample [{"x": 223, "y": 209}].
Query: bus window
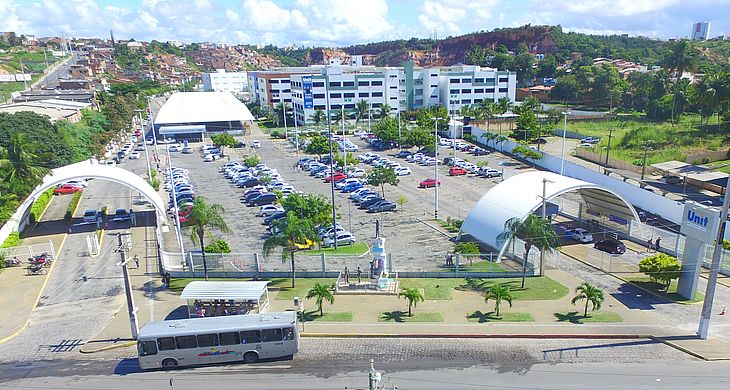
[
  {"x": 186, "y": 342},
  {"x": 166, "y": 343},
  {"x": 146, "y": 348},
  {"x": 207, "y": 340},
  {"x": 288, "y": 333},
  {"x": 271, "y": 335},
  {"x": 250, "y": 337},
  {"x": 229, "y": 338}
]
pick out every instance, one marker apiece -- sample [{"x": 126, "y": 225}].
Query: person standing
[
  {"x": 649, "y": 246},
  {"x": 656, "y": 244},
  {"x": 359, "y": 274},
  {"x": 136, "y": 261},
  {"x": 347, "y": 275}
]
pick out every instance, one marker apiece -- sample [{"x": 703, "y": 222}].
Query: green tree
[
  {"x": 312, "y": 207},
  {"x": 339, "y": 116},
  {"x": 318, "y": 145},
  {"x": 384, "y": 110},
  {"x": 362, "y": 107},
  {"x": 19, "y": 165},
  {"x": 527, "y": 153},
  {"x": 380, "y": 176},
  {"x": 683, "y": 56},
  {"x": 251, "y": 161},
  {"x": 292, "y": 232},
  {"x": 467, "y": 248},
  {"x": 321, "y": 293},
  {"x": 223, "y": 139},
  {"x": 486, "y": 110},
  {"x": 533, "y": 231},
  {"x": 218, "y": 246},
  {"x": 318, "y": 117},
  {"x": 499, "y": 293},
  {"x": 504, "y": 105},
  {"x": 402, "y": 200},
  {"x": 279, "y": 118},
  {"x": 489, "y": 137},
  {"x": 661, "y": 268},
  {"x": 387, "y": 129},
  {"x": 413, "y": 295},
  {"x": 590, "y": 294},
  {"x": 527, "y": 127},
  {"x": 205, "y": 216}
]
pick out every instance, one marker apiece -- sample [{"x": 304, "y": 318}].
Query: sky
[{"x": 347, "y": 22}]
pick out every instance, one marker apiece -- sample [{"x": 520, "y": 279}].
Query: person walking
[
  {"x": 136, "y": 260},
  {"x": 359, "y": 275},
  {"x": 649, "y": 246},
  {"x": 347, "y": 275},
  {"x": 656, "y": 244}
]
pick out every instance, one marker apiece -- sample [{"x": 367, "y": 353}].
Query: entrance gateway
[{"x": 699, "y": 225}]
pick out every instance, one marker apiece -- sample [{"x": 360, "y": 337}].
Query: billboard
[
  {"x": 7, "y": 78},
  {"x": 22, "y": 77},
  {"x": 307, "y": 89},
  {"x": 700, "y": 222}
]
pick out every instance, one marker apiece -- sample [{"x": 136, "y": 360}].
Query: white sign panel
[
  {"x": 700, "y": 222},
  {"x": 22, "y": 77},
  {"x": 6, "y": 78}
]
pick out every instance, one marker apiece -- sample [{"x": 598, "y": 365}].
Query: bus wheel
[
  {"x": 169, "y": 364},
  {"x": 250, "y": 357}
]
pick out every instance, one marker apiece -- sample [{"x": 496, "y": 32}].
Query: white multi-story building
[
  {"x": 700, "y": 31},
  {"x": 401, "y": 89},
  {"x": 222, "y": 81}
]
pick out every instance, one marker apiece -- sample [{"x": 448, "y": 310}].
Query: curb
[
  {"x": 107, "y": 348},
  {"x": 686, "y": 350},
  {"x": 12, "y": 336},
  {"x": 479, "y": 336}
]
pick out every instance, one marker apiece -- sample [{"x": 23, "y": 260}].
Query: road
[{"x": 50, "y": 81}]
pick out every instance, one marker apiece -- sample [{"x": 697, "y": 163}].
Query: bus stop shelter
[{"x": 213, "y": 299}]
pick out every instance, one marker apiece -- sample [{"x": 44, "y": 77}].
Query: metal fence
[{"x": 24, "y": 252}]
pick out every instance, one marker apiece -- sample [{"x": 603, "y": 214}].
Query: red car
[
  {"x": 137, "y": 133},
  {"x": 338, "y": 176},
  {"x": 428, "y": 183},
  {"x": 67, "y": 189},
  {"x": 456, "y": 171}
]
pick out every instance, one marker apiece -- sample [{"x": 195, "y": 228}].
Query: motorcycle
[
  {"x": 36, "y": 270},
  {"x": 14, "y": 262},
  {"x": 43, "y": 259}
]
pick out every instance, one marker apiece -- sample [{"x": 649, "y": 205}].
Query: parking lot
[{"x": 414, "y": 245}]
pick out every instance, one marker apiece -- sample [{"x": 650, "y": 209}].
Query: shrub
[
  {"x": 660, "y": 268},
  {"x": 725, "y": 244},
  {"x": 466, "y": 248},
  {"x": 39, "y": 206},
  {"x": 72, "y": 206},
  {"x": 218, "y": 246},
  {"x": 13, "y": 240},
  {"x": 251, "y": 161}
]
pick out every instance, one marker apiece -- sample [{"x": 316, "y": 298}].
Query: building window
[
  {"x": 349, "y": 95},
  {"x": 286, "y": 91},
  {"x": 393, "y": 76},
  {"x": 285, "y": 81},
  {"x": 503, "y": 89},
  {"x": 476, "y": 101},
  {"x": 319, "y": 107},
  {"x": 466, "y": 80},
  {"x": 349, "y": 106},
  {"x": 453, "y": 91},
  {"x": 479, "y": 90},
  {"x": 335, "y": 84},
  {"x": 318, "y": 84},
  {"x": 377, "y": 94},
  {"x": 319, "y": 96},
  {"x": 479, "y": 80},
  {"x": 503, "y": 79},
  {"x": 274, "y": 81},
  {"x": 335, "y": 95},
  {"x": 376, "y": 83},
  {"x": 454, "y": 81},
  {"x": 465, "y": 101},
  {"x": 393, "y": 97},
  {"x": 489, "y": 80},
  {"x": 434, "y": 85},
  {"x": 434, "y": 74},
  {"x": 393, "y": 87},
  {"x": 490, "y": 90},
  {"x": 362, "y": 94},
  {"x": 434, "y": 96},
  {"x": 466, "y": 91},
  {"x": 363, "y": 83},
  {"x": 348, "y": 83},
  {"x": 419, "y": 102},
  {"x": 335, "y": 106}
]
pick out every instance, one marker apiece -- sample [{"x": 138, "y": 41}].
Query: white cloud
[
  {"x": 232, "y": 15},
  {"x": 453, "y": 17},
  {"x": 615, "y": 7}
]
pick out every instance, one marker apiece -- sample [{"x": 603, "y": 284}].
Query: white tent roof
[
  {"x": 521, "y": 194},
  {"x": 199, "y": 107},
  {"x": 240, "y": 291}
]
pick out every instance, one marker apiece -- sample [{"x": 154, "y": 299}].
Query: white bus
[{"x": 247, "y": 338}]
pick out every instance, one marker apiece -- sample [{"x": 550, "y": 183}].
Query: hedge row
[
  {"x": 39, "y": 206},
  {"x": 72, "y": 206}
]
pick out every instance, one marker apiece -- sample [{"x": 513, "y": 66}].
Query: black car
[
  {"x": 479, "y": 152},
  {"x": 369, "y": 202},
  {"x": 251, "y": 196},
  {"x": 611, "y": 245},
  {"x": 273, "y": 217},
  {"x": 265, "y": 198},
  {"x": 240, "y": 144},
  {"x": 250, "y": 182},
  {"x": 403, "y": 154},
  {"x": 383, "y": 205}
]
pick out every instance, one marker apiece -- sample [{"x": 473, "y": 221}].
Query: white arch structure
[
  {"x": 521, "y": 195},
  {"x": 81, "y": 170}
]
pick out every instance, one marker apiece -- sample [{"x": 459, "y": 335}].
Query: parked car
[
  {"x": 90, "y": 216},
  {"x": 187, "y": 150},
  {"x": 273, "y": 217},
  {"x": 579, "y": 234},
  {"x": 672, "y": 179},
  {"x": 352, "y": 187},
  {"x": 403, "y": 171},
  {"x": 67, "y": 189},
  {"x": 479, "y": 152},
  {"x": 134, "y": 156},
  {"x": 344, "y": 238},
  {"x": 139, "y": 148},
  {"x": 489, "y": 172},
  {"x": 429, "y": 183},
  {"x": 211, "y": 157},
  {"x": 384, "y": 205},
  {"x": 403, "y": 154},
  {"x": 250, "y": 182},
  {"x": 121, "y": 215},
  {"x": 256, "y": 144},
  {"x": 368, "y": 201},
  {"x": 265, "y": 198},
  {"x": 457, "y": 171},
  {"x": 590, "y": 140},
  {"x": 337, "y": 176},
  {"x": 611, "y": 245},
  {"x": 269, "y": 209}
]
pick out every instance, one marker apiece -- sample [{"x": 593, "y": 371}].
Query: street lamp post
[
  {"x": 152, "y": 127},
  {"x": 283, "y": 114},
  {"x": 146, "y": 154},
  {"x": 370, "y": 108},
  {"x": 452, "y": 125},
  {"x": 608, "y": 150},
  {"x": 647, "y": 147},
  {"x": 562, "y": 149},
  {"x": 544, "y": 217},
  {"x": 400, "y": 140},
  {"x": 176, "y": 210},
  {"x": 332, "y": 173},
  {"x": 436, "y": 167}
]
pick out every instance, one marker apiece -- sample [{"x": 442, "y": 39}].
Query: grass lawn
[
  {"x": 282, "y": 285},
  {"x": 593, "y": 316},
  {"x": 481, "y": 317},
  {"x": 418, "y": 316},
  {"x": 355, "y": 249},
  {"x": 479, "y": 266},
  {"x": 335, "y": 316},
  {"x": 536, "y": 288},
  {"x": 434, "y": 289},
  {"x": 657, "y": 289}
]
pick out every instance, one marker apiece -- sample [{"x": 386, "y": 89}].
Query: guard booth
[{"x": 226, "y": 298}]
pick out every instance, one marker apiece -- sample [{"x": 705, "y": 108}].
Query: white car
[
  {"x": 256, "y": 144},
  {"x": 78, "y": 183},
  {"x": 579, "y": 234},
  {"x": 150, "y": 141},
  {"x": 358, "y": 172},
  {"x": 344, "y": 238},
  {"x": 269, "y": 209},
  {"x": 345, "y": 182},
  {"x": 134, "y": 156},
  {"x": 403, "y": 171},
  {"x": 211, "y": 157}
]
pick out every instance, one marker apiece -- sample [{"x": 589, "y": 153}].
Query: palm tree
[
  {"x": 490, "y": 137},
  {"x": 338, "y": 116},
  {"x": 292, "y": 231},
  {"x": 499, "y": 293},
  {"x": 487, "y": 108},
  {"x": 413, "y": 295},
  {"x": 503, "y": 105},
  {"x": 682, "y": 57},
  {"x": 385, "y": 109},
  {"x": 321, "y": 293},
  {"x": 499, "y": 140},
  {"x": 205, "y": 215},
  {"x": 317, "y": 117},
  {"x": 361, "y": 110},
  {"x": 279, "y": 117},
  {"x": 534, "y": 231},
  {"x": 19, "y": 168},
  {"x": 591, "y": 294}
]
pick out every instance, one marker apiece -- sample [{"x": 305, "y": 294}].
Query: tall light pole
[
  {"x": 344, "y": 150},
  {"x": 704, "y": 327},
  {"x": 283, "y": 114},
  {"x": 562, "y": 149},
  {"x": 608, "y": 150},
  {"x": 370, "y": 108},
  {"x": 146, "y": 154},
  {"x": 647, "y": 147},
  {"x": 296, "y": 129},
  {"x": 176, "y": 210},
  {"x": 451, "y": 123},
  {"x": 332, "y": 173},
  {"x": 154, "y": 132},
  {"x": 400, "y": 140},
  {"x": 436, "y": 167},
  {"x": 544, "y": 217}
]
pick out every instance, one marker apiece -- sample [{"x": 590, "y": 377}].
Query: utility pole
[
  {"x": 544, "y": 217},
  {"x": 400, "y": 140},
  {"x": 704, "y": 327},
  {"x": 146, "y": 154},
  {"x": 283, "y": 114},
  {"x": 131, "y": 308},
  {"x": 332, "y": 173},
  {"x": 562, "y": 149},
  {"x": 643, "y": 165},
  {"x": 608, "y": 150},
  {"x": 436, "y": 167}
]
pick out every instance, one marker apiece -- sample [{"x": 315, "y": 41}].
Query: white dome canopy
[{"x": 521, "y": 195}]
